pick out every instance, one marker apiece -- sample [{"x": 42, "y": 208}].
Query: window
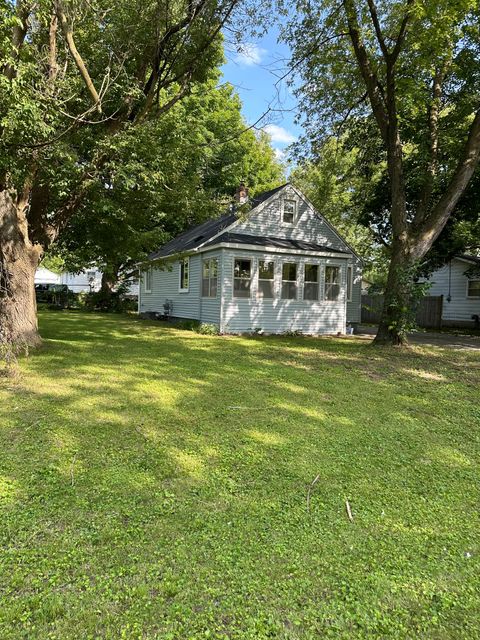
[
  {"x": 349, "y": 283},
  {"x": 289, "y": 281},
  {"x": 242, "y": 278},
  {"x": 289, "y": 210},
  {"x": 310, "y": 287},
  {"x": 148, "y": 280},
  {"x": 210, "y": 278},
  {"x": 266, "y": 278},
  {"x": 332, "y": 283},
  {"x": 473, "y": 288},
  {"x": 184, "y": 269}
]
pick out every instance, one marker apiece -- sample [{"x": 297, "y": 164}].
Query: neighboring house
[
  {"x": 45, "y": 276},
  {"x": 280, "y": 267},
  {"x": 461, "y": 293},
  {"x": 84, "y": 281}
]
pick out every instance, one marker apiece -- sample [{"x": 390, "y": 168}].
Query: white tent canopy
[{"x": 45, "y": 276}]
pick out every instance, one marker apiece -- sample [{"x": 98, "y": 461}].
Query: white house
[
  {"x": 45, "y": 276},
  {"x": 280, "y": 267},
  {"x": 459, "y": 283}
]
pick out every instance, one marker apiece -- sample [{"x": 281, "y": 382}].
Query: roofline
[
  {"x": 473, "y": 259},
  {"x": 268, "y": 248}
]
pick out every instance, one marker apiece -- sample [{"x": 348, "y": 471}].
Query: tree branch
[
  {"x": 434, "y": 223},
  {"x": 68, "y": 33}
]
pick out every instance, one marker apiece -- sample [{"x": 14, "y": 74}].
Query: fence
[{"x": 429, "y": 312}]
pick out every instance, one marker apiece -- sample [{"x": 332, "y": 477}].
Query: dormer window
[{"x": 289, "y": 211}]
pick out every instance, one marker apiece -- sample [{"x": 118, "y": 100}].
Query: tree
[
  {"x": 165, "y": 177},
  {"x": 74, "y": 78},
  {"x": 414, "y": 66}
]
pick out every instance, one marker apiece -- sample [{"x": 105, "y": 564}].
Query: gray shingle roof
[
  {"x": 200, "y": 233},
  {"x": 268, "y": 241}
]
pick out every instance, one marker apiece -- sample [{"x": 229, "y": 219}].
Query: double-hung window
[
  {"x": 242, "y": 277},
  {"x": 184, "y": 275},
  {"x": 311, "y": 282},
  {"x": 266, "y": 278},
  {"x": 473, "y": 288},
  {"x": 210, "y": 278},
  {"x": 289, "y": 211},
  {"x": 349, "y": 283},
  {"x": 332, "y": 283},
  {"x": 289, "y": 281},
  {"x": 148, "y": 280}
]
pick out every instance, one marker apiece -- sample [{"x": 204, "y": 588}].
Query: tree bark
[
  {"x": 19, "y": 260},
  {"x": 397, "y": 300}
]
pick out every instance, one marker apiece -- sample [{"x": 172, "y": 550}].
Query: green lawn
[{"x": 153, "y": 484}]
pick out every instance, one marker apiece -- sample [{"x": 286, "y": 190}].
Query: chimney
[{"x": 241, "y": 195}]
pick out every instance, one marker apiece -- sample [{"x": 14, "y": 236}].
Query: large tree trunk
[
  {"x": 19, "y": 259},
  {"x": 397, "y": 301}
]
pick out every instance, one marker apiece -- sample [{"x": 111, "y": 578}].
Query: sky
[{"x": 254, "y": 70}]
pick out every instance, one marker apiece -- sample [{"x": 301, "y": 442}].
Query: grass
[{"x": 153, "y": 484}]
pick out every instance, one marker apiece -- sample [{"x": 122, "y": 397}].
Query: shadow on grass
[{"x": 153, "y": 481}]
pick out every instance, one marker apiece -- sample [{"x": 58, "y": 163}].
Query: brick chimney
[{"x": 241, "y": 196}]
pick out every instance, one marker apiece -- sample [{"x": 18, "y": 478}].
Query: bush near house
[{"x": 154, "y": 481}]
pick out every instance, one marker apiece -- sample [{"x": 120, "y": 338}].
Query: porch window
[
  {"x": 289, "y": 211},
  {"x": 332, "y": 283},
  {"x": 184, "y": 274},
  {"x": 266, "y": 278},
  {"x": 289, "y": 281},
  {"x": 310, "y": 287},
  {"x": 473, "y": 288},
  {"x": 242, "y": 278},
  {"x": 349, "y": 283},
  {"x": 210, "y": 278},
  {"x": 148, "y": 280}
]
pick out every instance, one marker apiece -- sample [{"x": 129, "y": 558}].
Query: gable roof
[
  {"x": 210, "y": 232},
  {"x": 467, "y": 258}
]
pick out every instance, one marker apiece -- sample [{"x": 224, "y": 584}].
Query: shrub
[
  {"x": 208, "y": 329},
  {"x": 188, "y": 325}
]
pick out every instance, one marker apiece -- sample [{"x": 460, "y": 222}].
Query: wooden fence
[{"x": 429, "y": 312}]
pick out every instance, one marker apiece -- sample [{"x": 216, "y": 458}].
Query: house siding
[
  {"x": 276, "y": 315},
  {"x": 460, "y": 308},
  {"x": 189, "y": 305},
  {"x": 165, "y": 286}
]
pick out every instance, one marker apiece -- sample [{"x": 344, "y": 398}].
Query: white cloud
[
  {"x": 280, "y": 155},
  {"x": 249, "y": 54},
  {"x": 279, "y": 134}
]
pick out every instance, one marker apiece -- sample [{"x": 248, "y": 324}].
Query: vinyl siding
[
  {"x": 165, "y": 286},
  {"x": 460, "y": 308},
  {"x": 277, "y": 315},
  {"x": 354, "y": 308},
  {"x": 190, "y": 305}
]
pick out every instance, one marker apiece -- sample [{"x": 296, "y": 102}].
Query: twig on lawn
[
  {"x": 312, "y": 484},
  {"x": 72, "y": 479},
  {"x": 349, "y": 511}
]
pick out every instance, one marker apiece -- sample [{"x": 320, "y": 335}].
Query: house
[
  {"x": 279, "y": 267},
  {"x": 458, "y": 282},
  {"x": 45, "y": 277},
  {"x": 84, "y": 281}
]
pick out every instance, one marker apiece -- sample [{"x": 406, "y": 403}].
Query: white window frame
[
  {"x": 295, "y": 281},
  {"x": 334, "y": 266},
  {"x": 272, "y": 280},
  {"x": 295, "y": 211},
  {"x": 319, "y": 280},
  {"x": 148, "y": 276},
  {"x": 235, "y": 278},
  {"x": 209, "y": 262},
  {"x": 181, "y": 263},
  {"x": 350, "y": 281},
  {"x": 468, "y": 282}
]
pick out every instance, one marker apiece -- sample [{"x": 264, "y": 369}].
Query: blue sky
[{"x": 254, "y": 68}]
